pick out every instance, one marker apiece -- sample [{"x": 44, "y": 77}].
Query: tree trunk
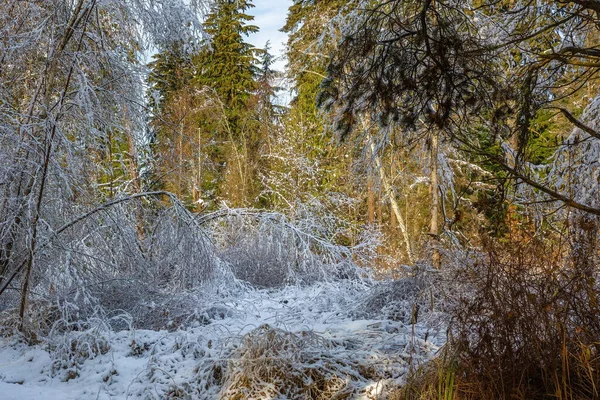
[
  {"x": 79, "y": 16},
  {"x": 370, "y": 201},
  {"x": 389, "y": 192},
  {"x": 198, "y": 174},
  {"x": 434, "y": 227},
  {"x": 134, "y": 174}
]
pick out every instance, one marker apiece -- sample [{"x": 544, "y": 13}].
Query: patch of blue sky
[{"x": 269, "y": 16}]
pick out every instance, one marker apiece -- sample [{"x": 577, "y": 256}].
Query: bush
[
  {"x": 526, "y": 328},
  {"x": 71, "y": 350},
  {"x": 416, "y": 297},
  {"x": 268, "y": 250}
]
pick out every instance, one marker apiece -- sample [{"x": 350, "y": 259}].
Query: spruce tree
[
  {"x": 170, "y": 72},
  {"x": 266, "y": 88},
  {"x": 308, "y": 47},
  {"x": 203, "y": 120},
  {"x": 228, "y": 65},
  {"x": 171, "y": 122},
  {"x": 225, "y": 73}
]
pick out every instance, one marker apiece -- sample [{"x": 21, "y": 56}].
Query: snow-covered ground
[{"x": 254, "y": 343}]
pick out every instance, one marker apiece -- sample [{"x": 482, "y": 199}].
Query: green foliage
[
  {"x": 319, "y": 165},
  {"x": 543, "y": 139},
  {"x": 308, "y": 55},
  {"x": 206, "y": 104},
  {"x": 170, "y": 72},
  {"x": 228, "y": 65},
  {"x": 112, "y": 163},
  {"x": 266, "y": 89}
]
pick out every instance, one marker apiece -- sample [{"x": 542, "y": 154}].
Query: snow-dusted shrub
[
  {"x": 179, "y": 251},
  {"x": 268, "y": 249},
  {"x": 69, "y": 350},
  {"x": 417, "y": 296},
  {"x": 177, "y": 363},
  {"x": 395, "y": 300},
  {"x": 263, "y": 257},
  {"x": 128, "y": 258},
  {"x": 182, "y": 311}
]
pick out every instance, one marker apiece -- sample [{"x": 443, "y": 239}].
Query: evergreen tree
[
  {"x": 266, "y": 88},
  {"x": 228, "y": 65},
  {"x": 308, "y": 49},
  {"x": 170, "y": 72},
  {"x": 205, "y": 127},
  {"x": 172, "y": 120}
]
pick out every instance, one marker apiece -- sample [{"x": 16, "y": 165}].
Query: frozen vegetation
[
  {"x": 248, "y": 343},
  {"x": 277, "y": 312},
  {"x": 421, "y": 222}
]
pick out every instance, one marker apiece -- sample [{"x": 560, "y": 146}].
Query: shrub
[
  {"x": 268, "y": 250},
  {"x": 527, "y": 327}
]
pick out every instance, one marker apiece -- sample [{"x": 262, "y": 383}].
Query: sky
[{"x": 270, "y": 17}]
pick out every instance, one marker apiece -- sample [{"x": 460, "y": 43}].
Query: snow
[{"x": 324, "y": 321}]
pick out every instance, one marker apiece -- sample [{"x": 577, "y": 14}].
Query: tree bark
[
  {"x": 134, "y": 175},
  {"x": 389, "y": 192},
  {"x": 79, "y": 16},
  {"x": 434, "y": 226},
  {"x": 370, "y": 200}
]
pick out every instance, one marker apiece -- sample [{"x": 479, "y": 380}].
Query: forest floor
[{"x": 346, "y": 338}]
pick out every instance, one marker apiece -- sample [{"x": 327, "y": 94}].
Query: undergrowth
[{"x": 527, "y": 328}]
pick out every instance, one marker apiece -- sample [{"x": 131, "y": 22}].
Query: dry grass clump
[
  {"x": 71, "y": 351},
  {"x": 440, "y": 379},
  {"x": 275, "y": 364}
]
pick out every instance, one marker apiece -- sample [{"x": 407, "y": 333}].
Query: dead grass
[{"x": 273, "y": 363}]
